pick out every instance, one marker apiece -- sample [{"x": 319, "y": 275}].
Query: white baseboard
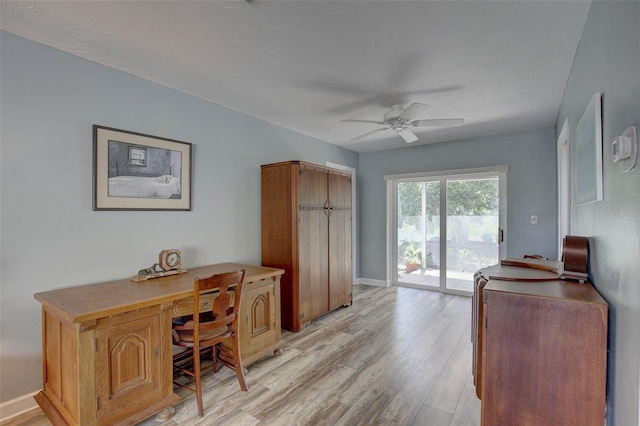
[
  {"x": 369, "y": 281},
  {"x": 17, "y": 406}
]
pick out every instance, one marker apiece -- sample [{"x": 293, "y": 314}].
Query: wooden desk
[{"x": 106, "y": 347}]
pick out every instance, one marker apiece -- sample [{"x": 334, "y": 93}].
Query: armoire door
[
  {"x": 340, "y": 272},
  {"x": 313, "y": 234}
]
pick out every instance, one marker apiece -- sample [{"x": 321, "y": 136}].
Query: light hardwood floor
[{"x": 398, "y": 356}]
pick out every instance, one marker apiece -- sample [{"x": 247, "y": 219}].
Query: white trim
[
  {"x": 564, "y": 185},
  {"x": 440, "y": 176},
  {"x": 461, "y": 172},
  {"x": 442, "y": 182},
  {"x": 354, "y": 215},
  {"x": 376, "y": 283},
  {"x": 502, "y": 215},
  {"x": 391, "y": 231},
  {"x": 596, "y": 116},
  {"x": 17, "y": 406}
]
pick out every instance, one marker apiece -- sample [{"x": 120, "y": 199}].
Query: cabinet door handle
[{"x": 327, "y": 208}]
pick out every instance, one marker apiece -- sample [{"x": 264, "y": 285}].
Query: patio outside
[{"x": 471, "y": 229}]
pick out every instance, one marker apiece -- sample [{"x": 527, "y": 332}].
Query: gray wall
[
  {"x": 608, "y": 61},
  {"x": 531, "y": 189},
  {"x": 50, "y": 237}
]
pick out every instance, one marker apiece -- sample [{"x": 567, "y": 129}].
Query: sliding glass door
[
  {"x": 447, "y": 227},
  {"x": 418, "y": 233}
]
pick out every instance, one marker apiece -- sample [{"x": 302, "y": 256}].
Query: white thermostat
[{"x": 624, "y": 149}]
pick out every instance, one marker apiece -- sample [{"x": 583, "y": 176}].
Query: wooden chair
[{"x": 210, "y": 325}]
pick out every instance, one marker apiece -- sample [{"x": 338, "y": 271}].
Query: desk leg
[{"x": 165, "y": 414}]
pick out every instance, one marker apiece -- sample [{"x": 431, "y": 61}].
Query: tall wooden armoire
[{"x": 306, "y": 230}]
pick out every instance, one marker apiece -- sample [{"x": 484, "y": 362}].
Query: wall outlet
[{"x": 534, "y": 219}]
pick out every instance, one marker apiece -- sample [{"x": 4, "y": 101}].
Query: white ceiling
[{"x": 307, "y": 65}]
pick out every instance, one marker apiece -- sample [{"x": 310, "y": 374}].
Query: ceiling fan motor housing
[{"x": 393, "y": 113}]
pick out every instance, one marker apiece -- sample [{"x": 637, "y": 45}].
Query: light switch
[{"x": 534, "y": 219}]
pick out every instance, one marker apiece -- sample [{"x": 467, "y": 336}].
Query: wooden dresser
[
  {"x": 306, "y": 230},
  {"x": 106, "y": 347},
  {"x": 544, "y": 353}
]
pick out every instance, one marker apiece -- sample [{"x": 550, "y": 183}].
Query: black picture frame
[{"x": 136, "y": 171}]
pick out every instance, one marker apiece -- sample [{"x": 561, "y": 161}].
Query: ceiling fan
[{"x": 401, "y": 120}]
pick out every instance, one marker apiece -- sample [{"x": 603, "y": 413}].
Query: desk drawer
[{"x": 184, "y": 307}]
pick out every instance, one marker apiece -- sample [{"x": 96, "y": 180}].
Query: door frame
[
  {"x": 564, "y": 186},
  {"x": 392, "y": 211}
]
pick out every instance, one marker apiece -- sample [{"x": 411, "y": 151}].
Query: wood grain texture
[
  {"x": 545, "y": 354},
  {"x": 107, "y": 346},
  {"x": 92, "y": 301},
  {"x": 398, "y": 356},
  {"x": 280, "y": 232},
  {"x": 504, "y": 272},
  {"x": 306, "y": 230}
]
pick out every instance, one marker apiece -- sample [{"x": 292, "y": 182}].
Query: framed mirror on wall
[{"x": 589, "y": 154}]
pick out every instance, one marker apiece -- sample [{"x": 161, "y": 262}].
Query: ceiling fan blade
[
  {"x": 369, "y": 133},
  {"x": 413, "y": 111},
  {"x": 407, "y": 135},
  {"x": 363, "y": 121},
  {"x": 438, "y": 122}
]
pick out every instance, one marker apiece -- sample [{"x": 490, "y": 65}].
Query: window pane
[
  {"x": 137, "y": 156},
  {"x": 472, "y": 229},
  {"x": 419, "y": 233}
]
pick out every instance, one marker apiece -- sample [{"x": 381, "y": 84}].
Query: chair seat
[{"x": 187, "y": 335}]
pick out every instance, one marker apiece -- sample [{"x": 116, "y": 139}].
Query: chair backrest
[{"x": 224, "y": 309}]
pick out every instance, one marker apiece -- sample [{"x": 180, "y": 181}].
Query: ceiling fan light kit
[{"x": 400, "y": 120}]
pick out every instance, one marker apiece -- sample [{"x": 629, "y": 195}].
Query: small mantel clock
[{"x": 170, "y": 259}]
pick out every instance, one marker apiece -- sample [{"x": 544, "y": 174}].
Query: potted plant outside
[{"x": 412, "y": 258}]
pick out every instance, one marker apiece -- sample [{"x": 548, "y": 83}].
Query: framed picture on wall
[
  {"x": 589, "y": 153},
  {"x": 134, "y": 171}
]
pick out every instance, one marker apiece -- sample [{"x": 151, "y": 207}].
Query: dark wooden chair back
[
  {"x": 217, "y": 320},
  {"x": 216, "y": 303}
]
